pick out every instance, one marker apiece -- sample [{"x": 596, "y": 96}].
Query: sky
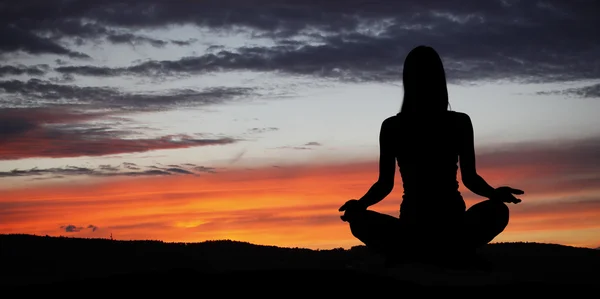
[{"x": 254, "y": 120}]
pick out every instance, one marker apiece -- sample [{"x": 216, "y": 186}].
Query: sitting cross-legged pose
[{"x": 428, "y": 142}]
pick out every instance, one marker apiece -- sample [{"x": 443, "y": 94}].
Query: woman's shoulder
[
  {"x": 391, "y": 119},
  {"x": 457, "y": 113},
  {"x": 461, "y": 117}
]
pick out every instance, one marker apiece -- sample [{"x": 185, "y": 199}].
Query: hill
[{"x": 60, "y": 264}]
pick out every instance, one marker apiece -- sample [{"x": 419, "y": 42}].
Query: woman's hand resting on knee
[
  {"x": 351, "y": 207},
  {"x": 505, "y": 194}
]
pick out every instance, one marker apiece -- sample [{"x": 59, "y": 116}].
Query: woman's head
[{"x": 424, "y": 81}]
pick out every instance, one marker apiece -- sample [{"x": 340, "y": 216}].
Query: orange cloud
[{"x": 293, "y": 205}]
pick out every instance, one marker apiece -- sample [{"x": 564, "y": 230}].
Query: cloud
[
  {"x": 15, "y": 122},
  {"x": 107, "y": 170},
  {"x": 36, "y": 70},
  {"x": 16, "y": 39},
  {"x": 184, "y": 42},
  {"x": 131, "y": 39},
  {"x": 45, "y": 34},
  {"x": 57, "y": 133},
  {"x": 306, "y": 146},
  {"x": 313, "y": 143},
  {"x": 294, "y": 147},
  {"x": 237, "y": 157},
  {"x": 134, "y": 40},
  {"x": 75, "y": 229},
  {"x": 590, "y": 91},
  {"x": 350, "y": 40},
  {"x": 36, "y": 92},
  {"x": 262, "y": 130},
  {"x": 77, "y": 142},
  {"x": 71, "y": 228}
]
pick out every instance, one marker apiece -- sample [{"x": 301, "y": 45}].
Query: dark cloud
[
  {"x": 263, "y": 130},
  {"x": 36, "y": 28},
  {"x": 350, "y": 39},
  {"x": 64, "y": 78},
  {"x": 313, "y": 143},
  {"x": 135, "y": 40},
  {"x": 590, "y": 91},
  {"x": 295, "y": 147},
  {"x": 202, "y": 168},
  {"x": 75, "y": 142},
  {"x": 16, "y": 39},
  {"x": 306, "y": 146},
  {"x": 89, "y": 71},
  {"x": 15, "y": 122},
  {"x": 35, "y": 92},
  {"x": 75, "y": 229},
  {"x": 184, "y": 42},
  {"x": 57, "y": 133},
  {"x": 358, "y": 57},
  {"x": 124, "y": 169},
  {"x": 357, "y": 40},
  {"x": 132, "y": 39},
  {"x": 71, "y": 228},
  {"x": 14, "y": 70},
  {"x": 179, "y": 170}
]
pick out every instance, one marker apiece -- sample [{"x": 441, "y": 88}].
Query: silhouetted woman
[{"x": 428, "y": 142}]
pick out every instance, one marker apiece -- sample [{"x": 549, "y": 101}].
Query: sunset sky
[{"x": 254, "y": 120}]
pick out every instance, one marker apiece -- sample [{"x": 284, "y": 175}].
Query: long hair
[{"x": 424, "y": 81}]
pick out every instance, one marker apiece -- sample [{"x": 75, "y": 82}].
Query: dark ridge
[{"x": 35, "y": 263}]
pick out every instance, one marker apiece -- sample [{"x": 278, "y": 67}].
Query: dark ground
[{"x": 83, "y": 267}]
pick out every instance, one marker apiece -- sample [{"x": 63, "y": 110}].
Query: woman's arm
[
  {"x": 387, "y": 167},
  {"x": 468, "y": 171}
]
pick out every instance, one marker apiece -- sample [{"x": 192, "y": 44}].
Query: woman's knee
[
  {"x": 358, "y": 230},
  {"x": 502, "y": 211},
  {"x": 490, "y": 211},
  {"x": 490, "y": 207},
  {"x": 500, "y": 214}
]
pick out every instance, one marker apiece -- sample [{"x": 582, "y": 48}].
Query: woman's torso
[{"x": 426, "y": 150}]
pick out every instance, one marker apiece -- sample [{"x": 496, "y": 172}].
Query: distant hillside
[{"x": 31, "y": 260}]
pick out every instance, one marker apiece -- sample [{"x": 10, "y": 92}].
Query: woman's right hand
[
  {"x": 350, "y": 207},
  {"x": 506, "y": 194}
]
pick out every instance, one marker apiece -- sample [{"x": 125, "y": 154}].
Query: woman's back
[{"x": 427, "y": 150}]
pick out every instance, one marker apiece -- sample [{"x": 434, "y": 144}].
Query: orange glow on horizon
[{"x": 283, "y": 206}]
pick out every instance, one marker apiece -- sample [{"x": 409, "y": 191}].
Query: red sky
[{"x": 297, "y": 206}]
